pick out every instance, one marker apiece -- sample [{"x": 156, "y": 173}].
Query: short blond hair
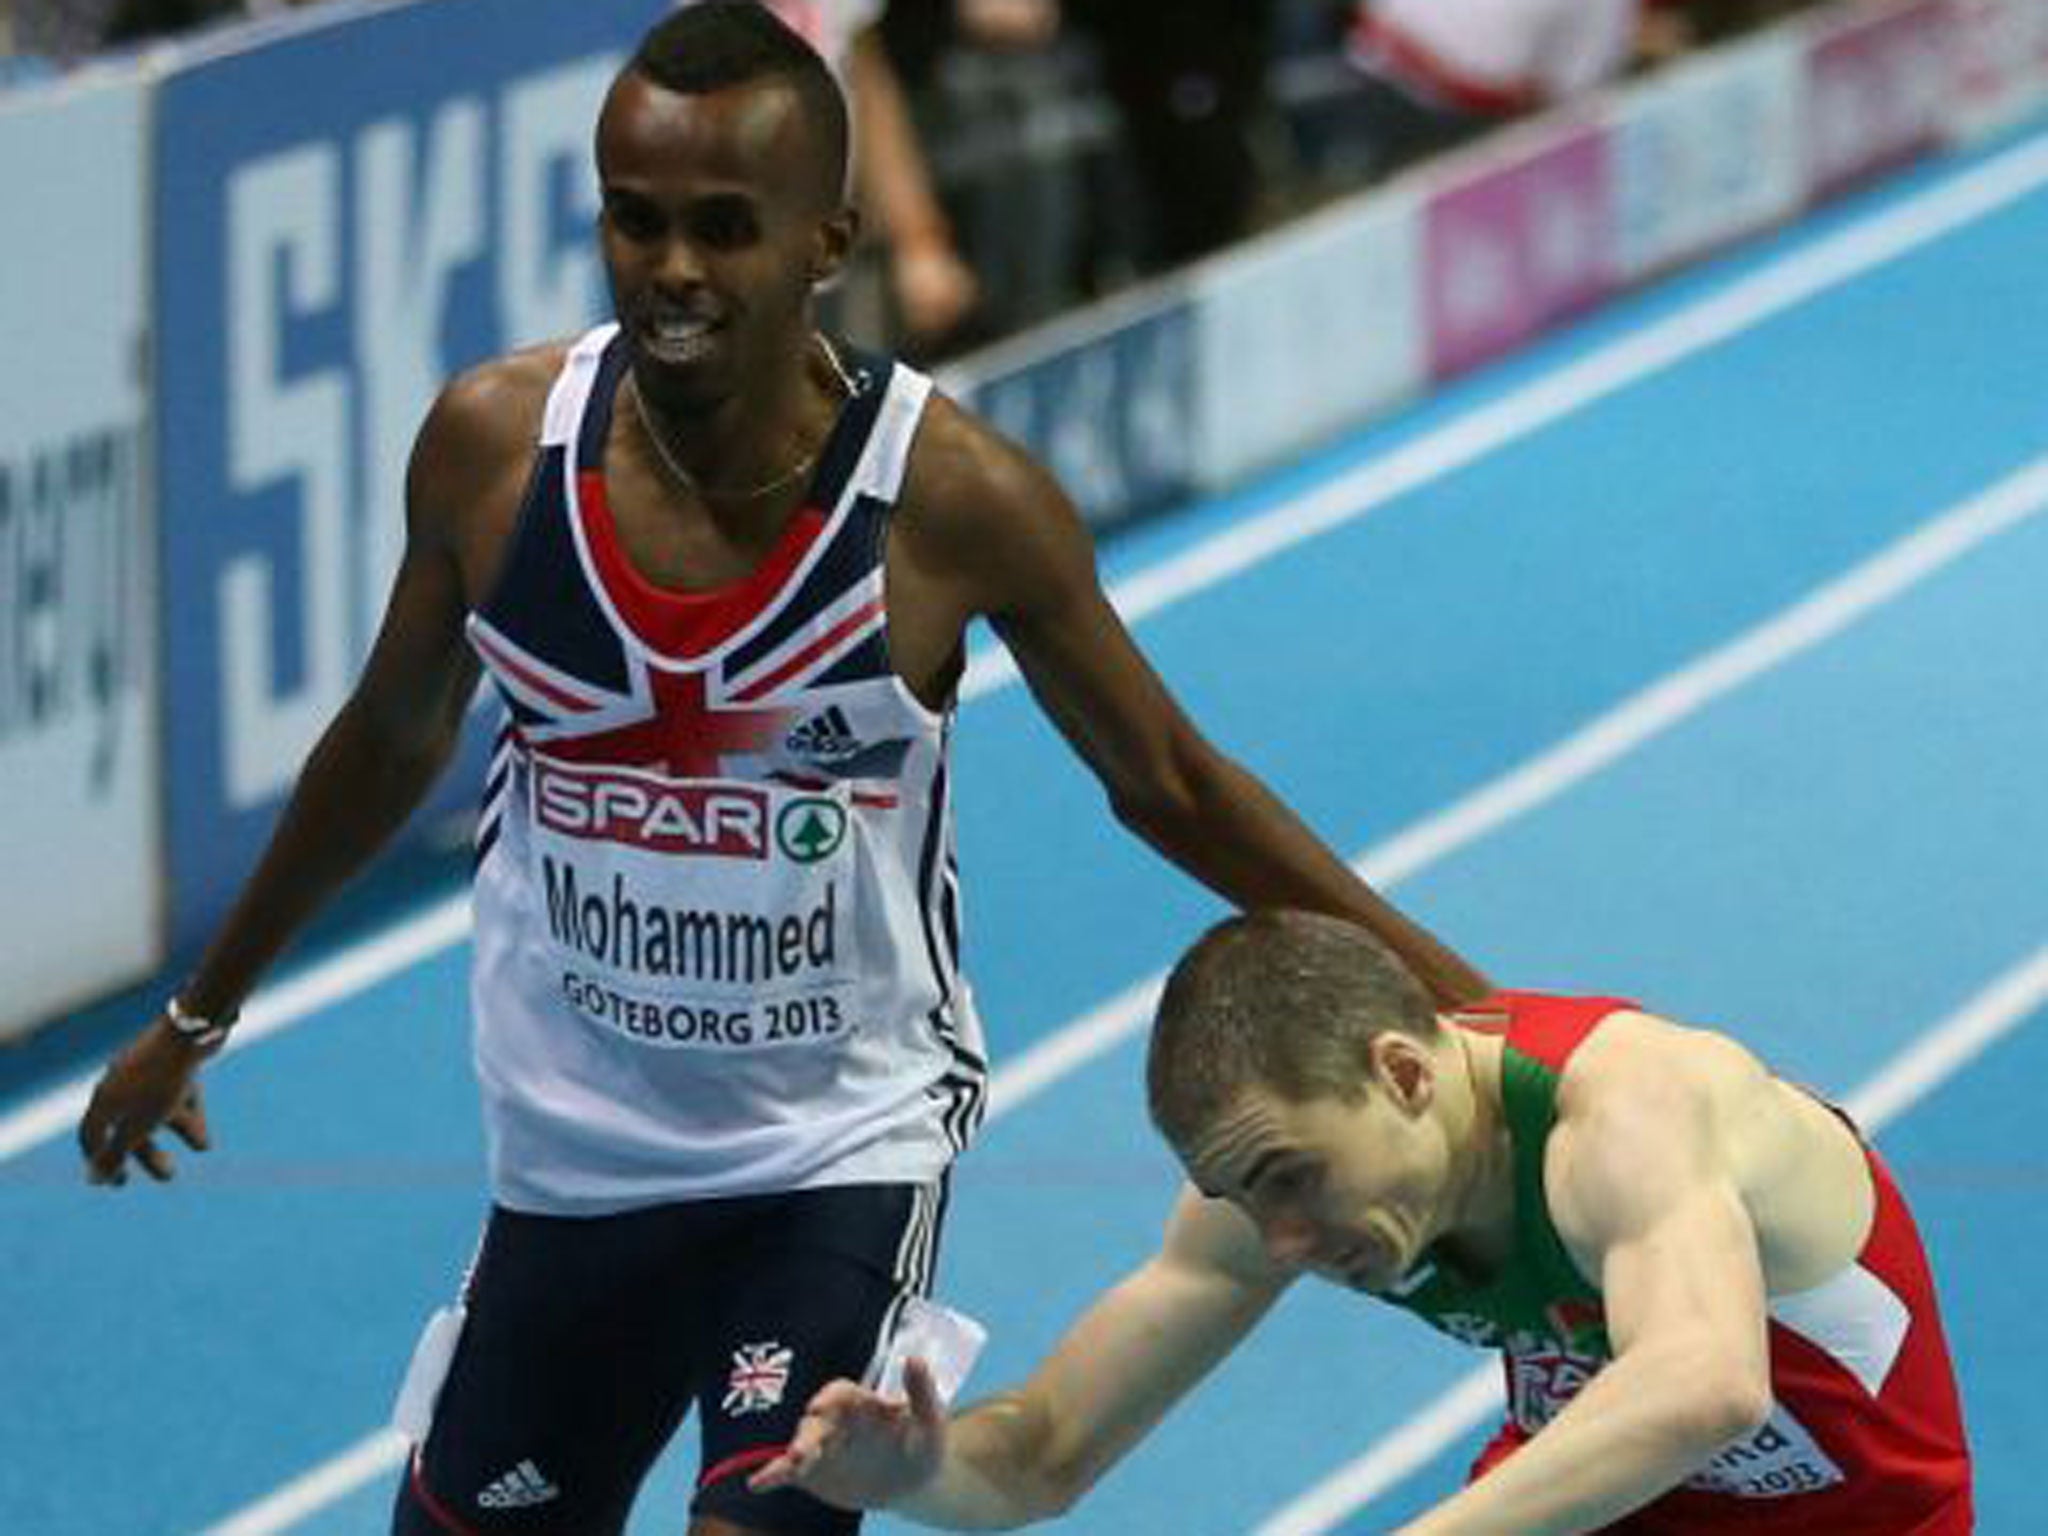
[{"x": 1281, "y": 1000}]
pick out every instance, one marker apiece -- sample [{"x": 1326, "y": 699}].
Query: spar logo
[
  {"x": 810, "y": 829},
  {"x": 716, "y": 820}
]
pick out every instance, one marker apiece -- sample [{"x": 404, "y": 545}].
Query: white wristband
[{"x": 196, "y": 1028}]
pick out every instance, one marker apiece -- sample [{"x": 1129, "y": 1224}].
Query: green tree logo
[{"x": 808, "y": 830}]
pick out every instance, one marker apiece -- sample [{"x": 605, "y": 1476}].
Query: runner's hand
[
  {"x": 861, "y": 1450},
  {"x": 151, "y": 1084}
]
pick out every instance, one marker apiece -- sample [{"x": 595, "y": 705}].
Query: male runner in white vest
[{"x": 719, "y": 568}]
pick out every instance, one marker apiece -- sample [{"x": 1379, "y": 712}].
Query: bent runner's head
[
  {"x": 721, "y": 159},
  {"x": 1294, "y": 1067}
]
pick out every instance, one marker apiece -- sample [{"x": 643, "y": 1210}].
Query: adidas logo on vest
[
  {"x": 520, "y": 1488},
  {"x": 827, "y": 737}
]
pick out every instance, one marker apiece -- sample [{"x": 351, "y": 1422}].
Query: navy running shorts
[{"x": 586, "y": 1340}]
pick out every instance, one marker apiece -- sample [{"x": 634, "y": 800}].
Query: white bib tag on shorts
[
  {"x": 948, "y": 1341},
  {"x": 412, "y": 1414}
]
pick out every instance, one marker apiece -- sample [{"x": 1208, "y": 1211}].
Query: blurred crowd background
[{"x": 1020, "y": 157}]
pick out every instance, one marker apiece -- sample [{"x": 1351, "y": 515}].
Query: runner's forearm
[
  {"x": 992, "y": 1478},
  {"x": 352, "y": 795},
  {"x": 1234, "y": 835},
  {"x": 1629, "y": 1436}
]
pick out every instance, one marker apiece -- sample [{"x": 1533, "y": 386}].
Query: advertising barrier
[
  {"x": 1713, "y": 153},
  {"x": 1310, "y": 332},
  {"x": 1113, "y": 415},
  {"x": 78, "y": 751},
  {"x": 2000, "y": 62},
  {"x": 1877, "y": 91},
  {"x": 1517, "y": 246}
]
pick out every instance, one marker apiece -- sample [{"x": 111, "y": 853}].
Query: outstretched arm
[
  {"x": 1031, "y": 1452},
  {"x": 369, "y": 770},
  {"x": 1022, "y": 557}
]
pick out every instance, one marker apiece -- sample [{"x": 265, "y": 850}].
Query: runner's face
[
  {"x": 715, "y": 227},
  {"x": 1348, "y": 1190}
]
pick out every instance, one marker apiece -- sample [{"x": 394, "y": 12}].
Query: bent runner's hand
[
  {"x": 861, "y": 1450},
  {"x": 151, "y": 1084}
]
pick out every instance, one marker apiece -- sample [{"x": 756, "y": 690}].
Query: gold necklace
[{"x": 691, "y": 483}]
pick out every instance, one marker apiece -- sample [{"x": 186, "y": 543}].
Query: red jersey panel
[{"x": 1866, "y": 1434}]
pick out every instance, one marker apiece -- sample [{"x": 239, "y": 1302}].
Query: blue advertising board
[
  {"x": 346, "y": 214},
  {"x": 1113, "y": 414}
]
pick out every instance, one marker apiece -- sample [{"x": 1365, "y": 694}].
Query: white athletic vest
[{"x": 717, "y": 930}]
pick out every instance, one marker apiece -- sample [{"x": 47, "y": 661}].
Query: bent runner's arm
[
  {"x": 387, "y": 744},
  {"x": 1020, "y": 549},
  {"x": 1642, "y": 1189},
  {"x": 1029, "y": 1453},
  {"x": 370, "y": 768}
]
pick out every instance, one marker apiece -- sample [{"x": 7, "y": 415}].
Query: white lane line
[
  {"x": 1822, "y": 614},
  {"x": 356, "y": 969},
  {"x": 1953, "y": 1044},
  {"x": 1475, "y": 1398},
  {"x": 371, "y": 1458},
  {"x": 1772, "y": 289},
  {"x": 1932, "y": 1059},
  {"x": 1793, "y": 278}
]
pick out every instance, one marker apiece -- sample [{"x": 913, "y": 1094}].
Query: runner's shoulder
[
  {"x": 1650, "y": 1063},
  {"x": 968, "y": 488},
  {"x": 483, "y": 423},
  {"x": 500, "y": 398}
]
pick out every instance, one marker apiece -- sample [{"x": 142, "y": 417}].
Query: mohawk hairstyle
[{"x": 718, "y": 43}]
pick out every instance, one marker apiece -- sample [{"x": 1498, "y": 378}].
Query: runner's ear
[
  {"x": 1403, "y": 1068},
  {"x": 832, "y": 243}
]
